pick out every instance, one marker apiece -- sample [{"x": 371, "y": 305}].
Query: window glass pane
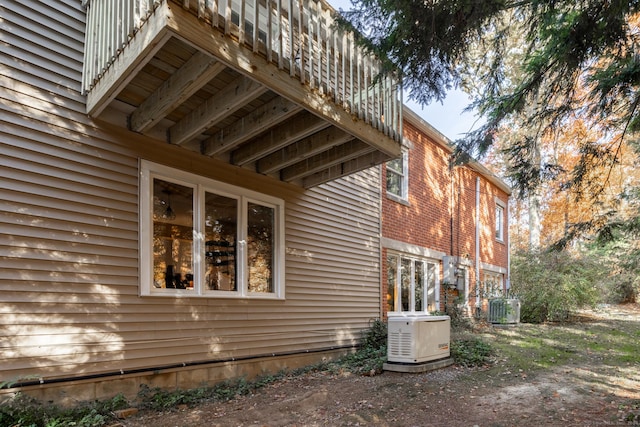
[
  {"x": 392, "y": 271},
  {"x": 405, "y": 280},
  {"x": 172, "y": 235},
  {"x": 260, "y": 247},
  {"x": 395, "y": 165},
  {"x": 431, "y": 287},
  {"x": 394, "y": 183},
  {"x": 499, "y": 222},
  {"x": 419, "y": 286},
  {"x": 221, "y": 227},
  {"x": 492, "y": 284}
]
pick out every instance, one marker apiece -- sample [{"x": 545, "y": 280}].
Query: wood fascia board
[
  {"x": 325, "y": 160},
  {"x": 264, "y": 117},
  {"x": 300, "y": 127},
  {"x": 188, "y": 28},
  {"x": 347, "y": 168},
  {"x": 219, "y": 106},
  {"x": 195, "y": 73},
  {"x": 303, "y": 149},
  {"x": 141, "y": 48}
]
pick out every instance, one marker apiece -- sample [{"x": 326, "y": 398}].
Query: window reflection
[
  {"x": 432, "y": 277},
  {"x": 260, "y": 246},
  {"x": 405, "y": 279},
  {"x": 172, "y": 235},
  {"x": 392, "y": 271},
  {"x": 419, "y": 285},
  {"x": 221, "y": 227}
]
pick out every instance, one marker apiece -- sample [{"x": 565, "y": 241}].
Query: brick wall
[{"x": 441, "y": 211}]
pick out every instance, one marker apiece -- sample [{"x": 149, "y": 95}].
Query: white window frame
[
  {"x": 404, "y": 178},
  {"x": 500, "y": 213},
  {"x": 148, "y": 172},
  {"x": 493, "y": 284},
  {"x": 398, "y": 285}
]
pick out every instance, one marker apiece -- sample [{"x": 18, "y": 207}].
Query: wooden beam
[
  {"x": 221, "y": 105},
  {"x": 347, "y": 168},
  {"x": 304, "y": 149},
  {"x": 300, "y": 127},
  {"x": 195, "y": 73},
  {"x": 150, "y": 38},
  {"x": 188, "y": 28},
  {"x": 331, "y": 157},
  {"x": 265, "y": 117}
]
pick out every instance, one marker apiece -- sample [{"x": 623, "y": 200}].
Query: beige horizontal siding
[{"x": 69, "y": 301}]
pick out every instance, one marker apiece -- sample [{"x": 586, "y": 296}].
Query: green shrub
[
  {"x": 471, "y": 352},
  {"x": 376, "y": 336},
  {"x": 622, "y": 288},
  {"x": 550, "y": 285},
  {"x": 23, "y": 411},
  {"x": 456, "y": 312},
  {"x": 372, "y": 354}
]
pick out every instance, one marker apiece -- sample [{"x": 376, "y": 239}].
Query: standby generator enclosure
[{"x": 418, "y": 338}]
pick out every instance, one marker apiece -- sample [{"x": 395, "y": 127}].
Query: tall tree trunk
[
  {"x": 534, "y": 197},
  {"x": 534, "y": 221}
]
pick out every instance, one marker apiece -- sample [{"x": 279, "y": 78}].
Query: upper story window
[
  {"x": 205, "y": 238},
  {"x": 500, "y": 220},
  {"x": 398, "y": 176}
]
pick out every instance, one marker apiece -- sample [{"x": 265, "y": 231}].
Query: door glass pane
[
  {"x": 392, "y": 271},
  {"x": 405, "y": 279},
  {"x": 431, "y": 287},
  {"x": 221, "y": 227},
  {"x": 419, "y": 286},
  {"x": 172, "y": 235},
  {"x": 260, "y": 247}
]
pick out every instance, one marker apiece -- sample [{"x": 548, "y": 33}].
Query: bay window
[
  {"x": 205, "y": 238},
  {"x": 412, "y": 284}
]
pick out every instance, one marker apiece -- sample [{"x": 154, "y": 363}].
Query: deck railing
[{"x": 298, "y": 36}]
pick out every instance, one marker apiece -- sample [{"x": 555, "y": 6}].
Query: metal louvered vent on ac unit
[{"x": 504, "y": 311}]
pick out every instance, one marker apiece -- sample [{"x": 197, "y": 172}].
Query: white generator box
[{"x": 418, "y": 338}]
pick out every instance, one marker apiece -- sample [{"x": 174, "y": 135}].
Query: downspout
[
  {"x": 477, "y": 244},
  {"x": 451, "y": 203},
  {"x": 508, "y": 236},
  {"x": 382, "y": 264}
]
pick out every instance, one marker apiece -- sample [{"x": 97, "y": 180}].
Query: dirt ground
[{"x": 578, "y": 385}]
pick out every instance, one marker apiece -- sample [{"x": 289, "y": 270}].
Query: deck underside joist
[{"x": 206, "y": 92}]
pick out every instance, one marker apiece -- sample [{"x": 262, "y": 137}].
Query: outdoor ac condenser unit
[
  {"x": 418, "y": 338},
  {"x": 505, "y": 311}
]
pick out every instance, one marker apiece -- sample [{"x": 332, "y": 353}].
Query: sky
[{"x": 447, "y": 117}]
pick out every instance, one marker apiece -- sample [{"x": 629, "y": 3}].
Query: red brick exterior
[{"x": 441, "y": 211}]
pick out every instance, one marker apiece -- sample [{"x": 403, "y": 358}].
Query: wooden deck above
[{"x": 189, "y": 72}]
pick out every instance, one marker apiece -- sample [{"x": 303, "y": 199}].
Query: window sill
[
  {"x": 187, "y": 293},
  {"x": 398, "y": 199}
]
